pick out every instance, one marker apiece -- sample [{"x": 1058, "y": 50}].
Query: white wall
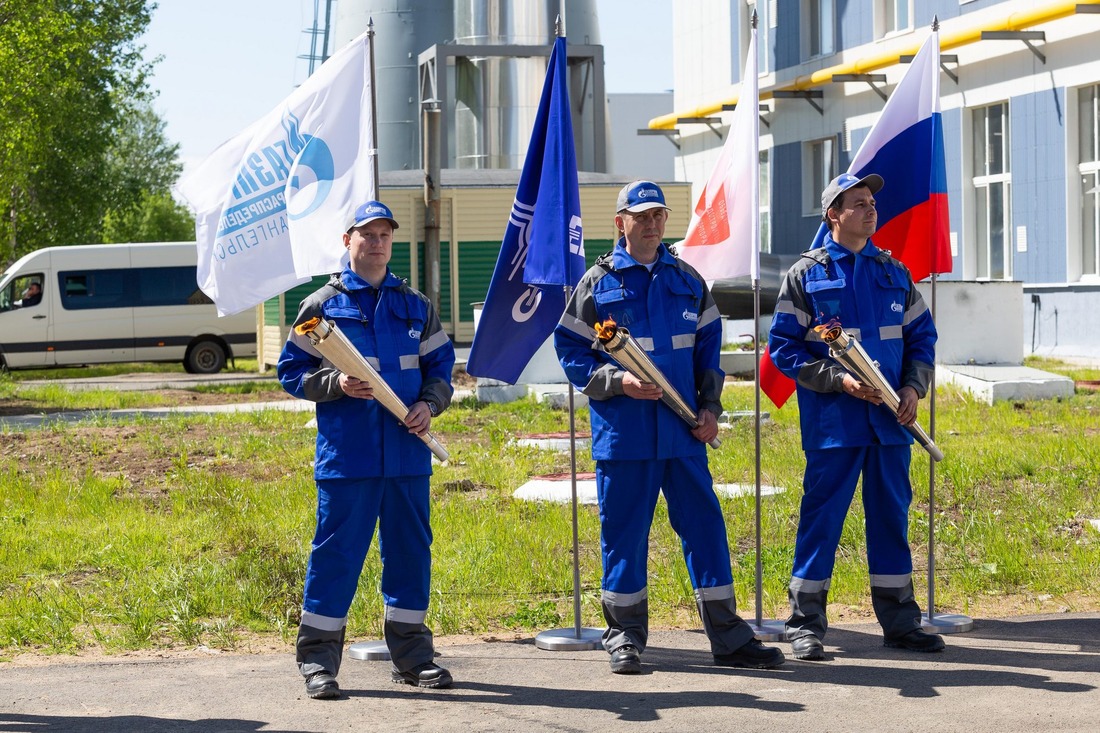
[{"x": 978, "y": 322}]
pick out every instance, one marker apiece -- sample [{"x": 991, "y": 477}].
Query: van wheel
[{"x": 205, "y": 357}]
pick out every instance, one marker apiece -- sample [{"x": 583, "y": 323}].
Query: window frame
[
  {"x": 811, "y": 186},
  {"x": 985, "y": 182}
]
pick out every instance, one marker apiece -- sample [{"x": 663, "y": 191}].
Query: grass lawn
[{"x": 171, "y": 533}]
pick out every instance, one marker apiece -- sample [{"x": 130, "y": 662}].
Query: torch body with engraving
[
  {"x": 626, "y": 350},
  {"x": 333, "y": 345},
  {"x": 849, "y": 353}
]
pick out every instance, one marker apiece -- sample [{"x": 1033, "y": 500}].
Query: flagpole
[
  {"x": 578, "y": 638},
  {"x": 943, "y": 623},
  {"x": 376, "y": 649},
  {"x": 771, "y": 630},
  {"x": 373, "y": 152}
]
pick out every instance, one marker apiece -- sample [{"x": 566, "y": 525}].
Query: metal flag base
[
  {"x": 370, "y": 651},
  {"x": 947, "y": 623},
  {"x": 570, "y": 640},
  {"x": 771, "y": 630}
]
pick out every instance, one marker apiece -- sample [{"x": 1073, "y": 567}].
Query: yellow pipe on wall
[{"x": 948, "y": 40}]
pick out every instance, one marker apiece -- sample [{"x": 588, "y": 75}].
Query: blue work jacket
[
  {"x": 874, "y": 298},
  {"x": 672, "y": 315},
  {"x": 397, "y": 330}
]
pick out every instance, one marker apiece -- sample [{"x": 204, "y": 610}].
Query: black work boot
[
  {"x": 916, "y": 640},
  {"x": 428, "y": 674},
  {"x": 807, "y": 647},
  {"x": 626, "y": 660},
  {"x": 322, "y": 686},
  {"x": 753, "y": 655}
]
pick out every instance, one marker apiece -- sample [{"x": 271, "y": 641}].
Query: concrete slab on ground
[
  {"x": 559, "y": 490},
  {"x": 990, "y": 383},
  {"x": 1017, "y": 674}
]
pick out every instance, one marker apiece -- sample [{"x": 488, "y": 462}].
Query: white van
[{"x": 102, "y": 303}]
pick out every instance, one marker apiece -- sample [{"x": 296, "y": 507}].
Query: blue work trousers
[
  {"x": 347, "y": 511},
  {"x": 627, "y": 492},
  {"x": 828, "y": 488}
]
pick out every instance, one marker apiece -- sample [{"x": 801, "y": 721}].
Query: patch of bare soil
[{"x": 164, "y": 398}]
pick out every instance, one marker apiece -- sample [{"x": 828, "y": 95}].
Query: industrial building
[{"x": 1020, "y": 94}]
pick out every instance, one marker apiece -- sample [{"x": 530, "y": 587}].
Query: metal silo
[
  {"x": 403, "y": 28},
  {"x": 491, "y": 101}
]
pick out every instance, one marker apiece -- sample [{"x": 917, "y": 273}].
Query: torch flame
[
  {"x": 303, "y": 328},
  {"x": 606, "y": 331},
  {"x": 829, "y": 331}
]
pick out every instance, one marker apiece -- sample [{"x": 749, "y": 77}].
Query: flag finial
[
  {"x": 755, "y": 18},
  {"x": 935, "y": 23},
  {"x": 559, "y": 26}
]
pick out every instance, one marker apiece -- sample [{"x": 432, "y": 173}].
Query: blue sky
[{"x": 227, "y": 62}]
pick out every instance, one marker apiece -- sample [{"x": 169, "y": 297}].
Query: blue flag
[{"x": 543, "y": 247}]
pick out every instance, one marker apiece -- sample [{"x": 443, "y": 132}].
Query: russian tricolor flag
[{"x": 905, "y": 147}]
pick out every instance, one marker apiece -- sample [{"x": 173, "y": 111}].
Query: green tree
[
  {"x": 156, "y": 217},
  {"x": 141, "y": 158},
  {"x": 68, "y": 72}
]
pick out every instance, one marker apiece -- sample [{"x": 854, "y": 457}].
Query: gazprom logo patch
[
  {"x": 375, "y": 210},
  {"x": 896, "y": 307},
  {"x": 691, "y": 316},
  {"x": 648, "y": 193}
]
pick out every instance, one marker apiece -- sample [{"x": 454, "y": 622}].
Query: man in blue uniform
[
  {"x": 846, "y": 432},
  {"x": 369, "y": 467},
  {"x": 640, "y": 445}
]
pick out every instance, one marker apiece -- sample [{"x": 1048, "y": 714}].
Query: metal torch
[
  {"x": 631, "y": 356},
  {"x": 849, "y": 353},
  {"x": 333, "y": 345}
]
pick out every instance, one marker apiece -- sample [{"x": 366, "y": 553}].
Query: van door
[
  {"x": 95, "y": 322},
  {"x": 169, "y": 310},
  {"x": 25, "y": 320}
]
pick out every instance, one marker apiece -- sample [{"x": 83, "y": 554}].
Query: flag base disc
[
  {"x": 570, "y": 640},
  {"x": 769, "y": 630},
  {"x": 947, "y": 623},
  {"x": 369, "y": 651}
]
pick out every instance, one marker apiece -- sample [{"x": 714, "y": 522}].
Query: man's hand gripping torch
[
  {"x": 333, "y": 345},
  {"x": 847, "y": 351},
  {"x": 632, "y": 357}
]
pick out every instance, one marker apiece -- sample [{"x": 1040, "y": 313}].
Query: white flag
[
  {"x": 271, "y": 203},
  {"x": 723, "y": 238}
]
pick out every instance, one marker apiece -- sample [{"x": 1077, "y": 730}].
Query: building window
[
  {"x": 893, "y": 16},
  {"x": 765, "y": 203},
  {"x": 819, "y": 166},
  {"x": 819, "y": 23},
  {"x": 1088, "y": 166},
  {"x": 992, "y": 184}
]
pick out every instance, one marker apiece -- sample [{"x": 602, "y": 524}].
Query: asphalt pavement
[{"x": 1039, "y": 673}]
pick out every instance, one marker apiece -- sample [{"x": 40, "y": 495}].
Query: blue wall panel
[
  {"x": 791, "y": 231},
  {"x": 855, "y": 23},
  {"x": 787, "y": 44},
  {"x": 1038, "y": 140}
]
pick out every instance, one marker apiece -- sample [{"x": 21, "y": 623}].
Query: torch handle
[
  {"x": 332, "y": 344},
  {"x": 632, "y": 357},
  {"x": 850, "y": 354}
]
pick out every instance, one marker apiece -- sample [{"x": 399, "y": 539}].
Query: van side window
[
  {"x": 138, "y": 287},
  {"x": 94, "y": 289},
  {"x": 168, "y": 286}
]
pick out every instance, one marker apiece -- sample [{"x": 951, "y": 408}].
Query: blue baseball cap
[
  {"x": 842, "y": 183},
  {"x": 640, "y": 196},
  {"x": 369, "y": 212}
]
